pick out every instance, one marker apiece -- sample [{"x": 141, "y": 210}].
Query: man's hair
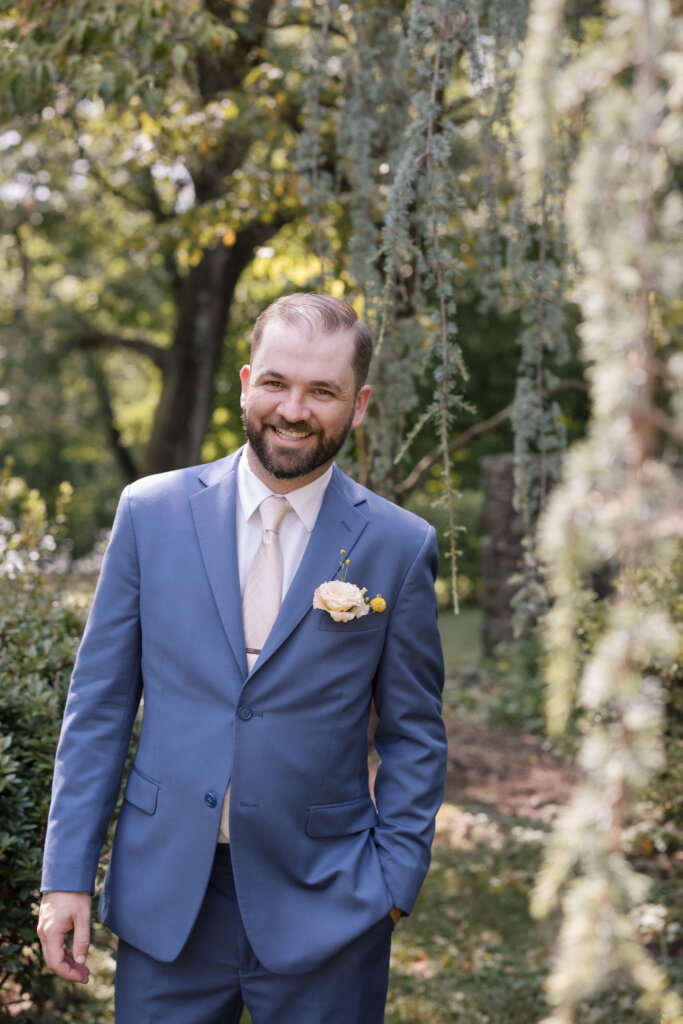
[{"x": 323, "y": 313}]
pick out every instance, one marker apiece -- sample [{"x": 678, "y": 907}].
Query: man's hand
[
  {"x": 60, "y": 913},
  {"x": 396, "y": 914}
]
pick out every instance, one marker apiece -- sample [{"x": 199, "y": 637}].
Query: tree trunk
[
  {"x": 186, "y": 403},
  {"x": 502, "y": 531}
]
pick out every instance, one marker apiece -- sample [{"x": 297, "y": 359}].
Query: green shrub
[
  {"x": 38, "y": 640},
  {"x": 519, "y": 685}
]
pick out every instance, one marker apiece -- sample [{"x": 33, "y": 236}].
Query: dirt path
[
  {"x": 510, "y": 772},
  {"x": 500, "y": 772}
]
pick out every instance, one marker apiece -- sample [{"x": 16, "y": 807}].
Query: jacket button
[
  {"x": 244, "y": 712},
  {"x": 210, "y": 799}
]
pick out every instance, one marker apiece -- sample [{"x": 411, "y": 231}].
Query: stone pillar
[{"x": 502, "y": 531}]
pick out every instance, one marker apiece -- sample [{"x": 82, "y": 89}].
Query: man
[{"x": 255, "y": 715}]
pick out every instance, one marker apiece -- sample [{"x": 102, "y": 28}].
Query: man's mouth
[{"x": 288, "y": 434}]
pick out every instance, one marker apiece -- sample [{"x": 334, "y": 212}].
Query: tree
[
  {"x": 371, "y": 146},
  {"x": 186, "y": 154}
]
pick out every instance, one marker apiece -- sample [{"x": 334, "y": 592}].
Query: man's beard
[{"x": 286, "y": 464}]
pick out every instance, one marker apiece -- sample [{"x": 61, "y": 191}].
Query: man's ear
[
  {"x": 361, "y": 405},
  {"x": 244, "y": 380}
]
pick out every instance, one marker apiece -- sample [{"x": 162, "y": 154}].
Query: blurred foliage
[
  {"x": 519, "y": 685},
  {"x": 28, "y": 539},
  {"x": 425, "y": 503},
  {"x": 147, "y": 163},
  {"x": 169, "y": 169},
  {"x": 617, "y": 513},
  {"x": 38, "y": 639}
]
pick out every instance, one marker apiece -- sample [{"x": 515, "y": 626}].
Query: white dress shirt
[{"x": 295, "y": 530}]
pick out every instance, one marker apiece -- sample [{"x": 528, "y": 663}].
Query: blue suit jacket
[{"x": 315, "y": 862}]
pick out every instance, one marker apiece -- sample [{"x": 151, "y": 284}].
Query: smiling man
[
  {"x": 250, "y": 863},
  {"x": 303, "y": 393}
]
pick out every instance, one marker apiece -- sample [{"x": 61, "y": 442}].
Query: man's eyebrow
[
  {"x": 278, "y": 375},
  {"x": 270, "y": 373},
  {"x": 329, "y": 384}
]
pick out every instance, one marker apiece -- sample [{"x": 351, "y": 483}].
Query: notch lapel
[
  {"x": 214, "y": 511},
  {"x": 339, "y": 525}
]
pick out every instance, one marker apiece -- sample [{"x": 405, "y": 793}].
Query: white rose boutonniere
[{"x": 345, "y": 601}]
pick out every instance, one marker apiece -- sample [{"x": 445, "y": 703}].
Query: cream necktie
[
  {"x": 261, "y": 599},
  {"x": 263, "y": 587}
]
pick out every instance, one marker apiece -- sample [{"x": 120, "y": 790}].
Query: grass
[
  {"x": 469, "y": 952},
  {"x": 461, "y": 638}
]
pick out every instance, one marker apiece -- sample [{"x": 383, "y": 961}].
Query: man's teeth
[{"x": 291, "y": 434}]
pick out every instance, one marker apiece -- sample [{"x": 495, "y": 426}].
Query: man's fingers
[
  {"x": 81, "y": 940},
  {"x": 61, "y": 913},
  {"x": 71, "y": 970},
  {"x": 65, "y": 967}
]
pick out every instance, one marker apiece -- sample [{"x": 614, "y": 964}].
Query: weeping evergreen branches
[
  {"x": 618, "y": 508},
  {"x": 313, "y": 159},
  {"x": 522, "y": 265},
  {"x": 540, "y": 437},
  {"x": 421, "y": 218},
  {"x": 399, "y": 135}
]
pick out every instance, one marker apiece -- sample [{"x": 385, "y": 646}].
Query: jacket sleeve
[
  {"x": 410, "y": 736},
  {"x": 103, "y": 699}
]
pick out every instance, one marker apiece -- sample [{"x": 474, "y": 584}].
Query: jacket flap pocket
[
  {"x": 325, "y": 820},
  {"x": 141, "y": 792}
]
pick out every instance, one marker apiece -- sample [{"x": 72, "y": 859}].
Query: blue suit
[{"x": 315, "y": 863}]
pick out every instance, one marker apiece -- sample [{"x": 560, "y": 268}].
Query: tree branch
[
  {"x": 217, "y": 74},
  {"x": 420, "y": 473},
  {"x": 152, "y": 206},
  {"x": 122, "y": 456},
  {"x": 92, "y": 340}
]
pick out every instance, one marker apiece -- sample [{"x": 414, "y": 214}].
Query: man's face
[{"x": 299, "y": 403}]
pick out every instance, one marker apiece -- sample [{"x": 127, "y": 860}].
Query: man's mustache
[{"x": 302, "y": 426}]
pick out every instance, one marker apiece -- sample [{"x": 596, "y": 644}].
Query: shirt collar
[{"x": 305, "y": 501}]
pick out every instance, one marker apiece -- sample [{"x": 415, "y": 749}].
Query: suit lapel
[
  {"x": 214, "y": 511},
  {"x": 339, "y": 525}
]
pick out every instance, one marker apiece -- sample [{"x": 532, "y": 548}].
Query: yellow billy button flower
[{"x": 378, "y": 604}]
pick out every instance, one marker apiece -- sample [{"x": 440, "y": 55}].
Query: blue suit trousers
[{"x": 217, "y": 974}]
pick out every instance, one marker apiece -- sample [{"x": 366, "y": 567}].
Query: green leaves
[
  {"x": 114, "y": 49},
  {"x": 38, "y": 640},
  {"x": 179, "y": 55}
]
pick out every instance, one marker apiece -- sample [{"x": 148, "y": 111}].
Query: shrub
[{"x": 38, "y": 640}]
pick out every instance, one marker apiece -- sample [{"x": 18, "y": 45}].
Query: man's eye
[
  {"x": 323, "y": 391},
  {"x": 272, "y": 383}
]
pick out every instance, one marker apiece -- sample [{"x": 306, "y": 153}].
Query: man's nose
[{"x": 293, "y": 407}]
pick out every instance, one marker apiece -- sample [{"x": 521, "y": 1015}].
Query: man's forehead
[
  {"x": 305, "y": 342},
  {"x": 306, "y": 328}
]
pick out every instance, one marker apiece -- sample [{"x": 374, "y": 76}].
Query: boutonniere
[{"x": 344, "y": 601}]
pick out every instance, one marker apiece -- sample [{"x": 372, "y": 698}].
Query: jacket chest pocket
[{"x": 367, "y": 624}]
